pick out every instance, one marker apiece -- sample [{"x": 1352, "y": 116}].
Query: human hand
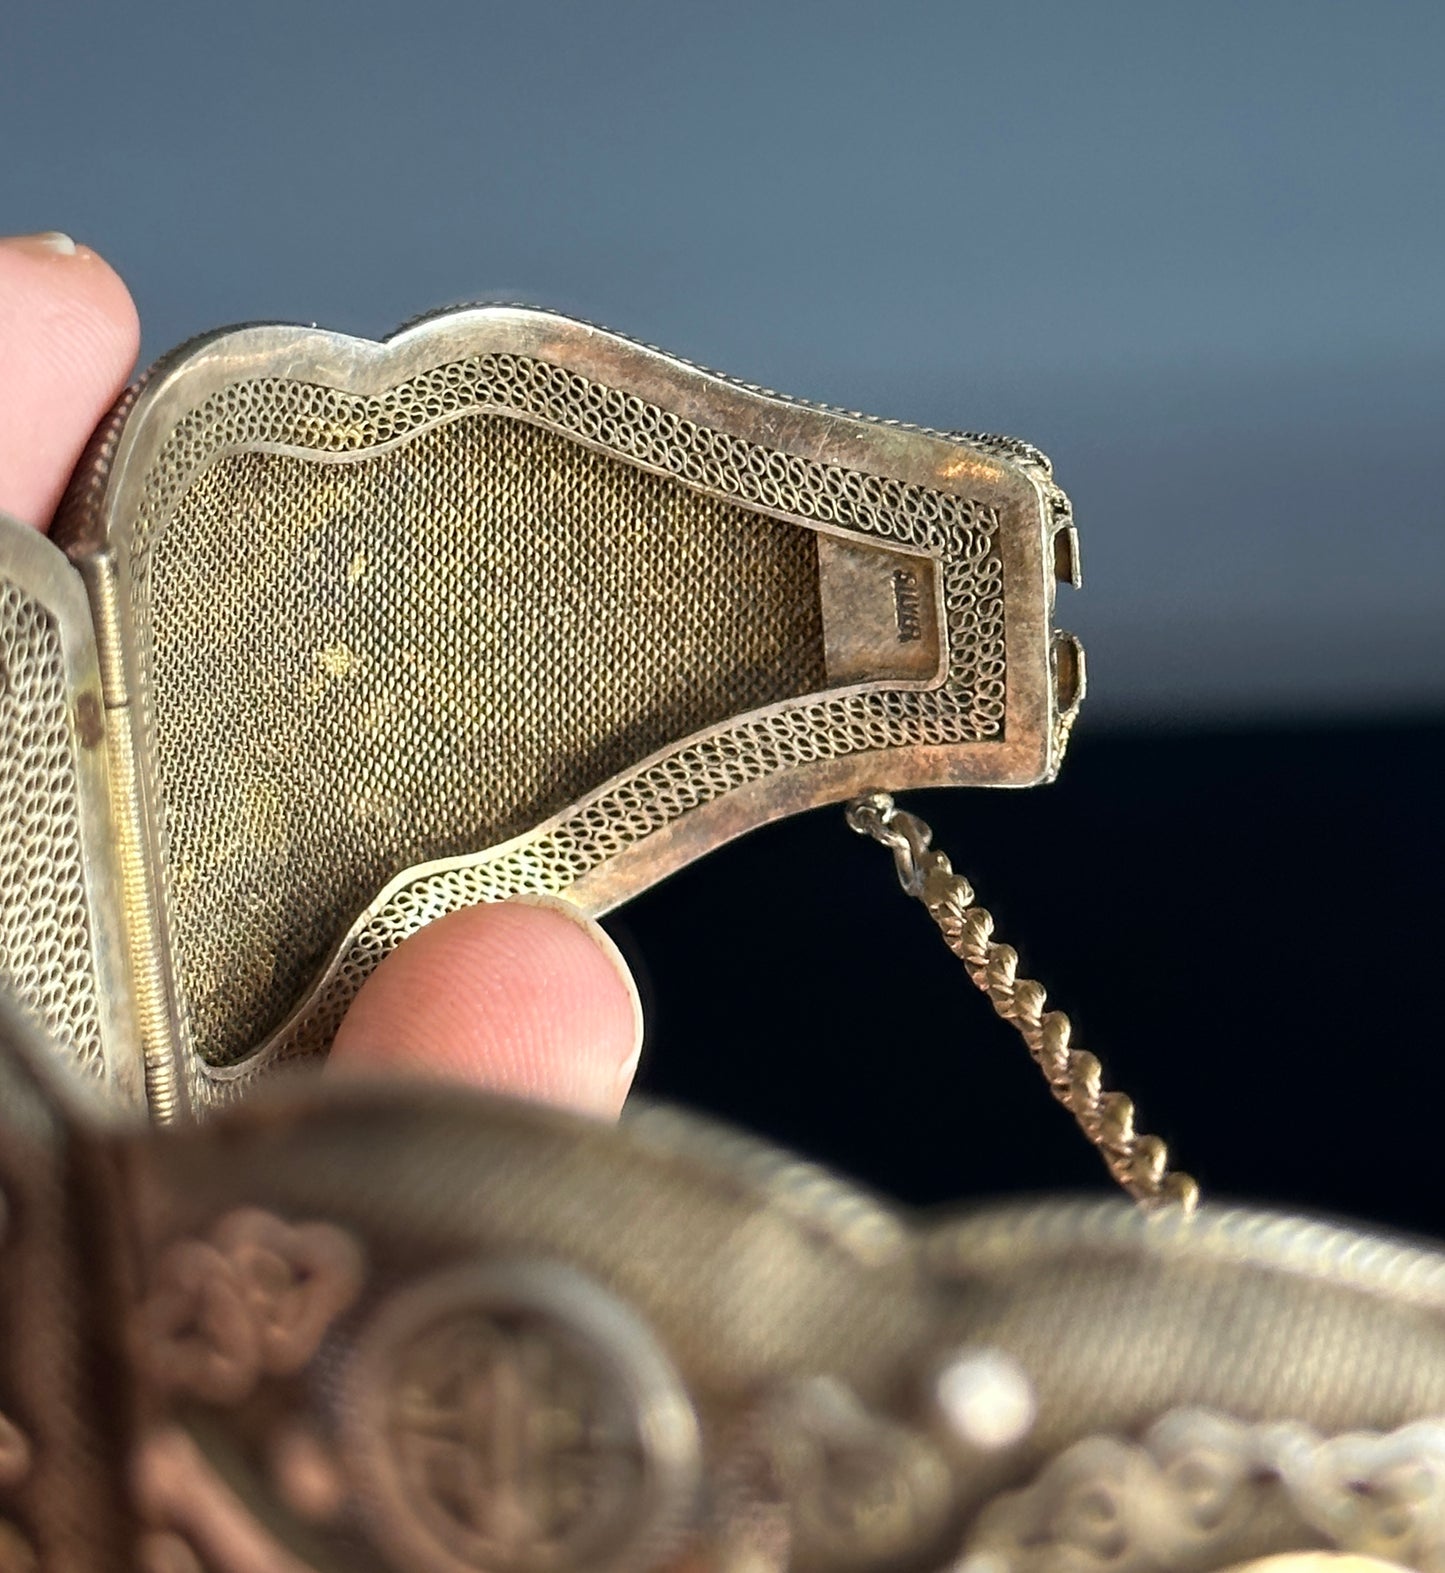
[{"x": 522, "y": 997}]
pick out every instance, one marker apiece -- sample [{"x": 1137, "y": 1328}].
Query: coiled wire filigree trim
[{"x": 968, "y": 707}]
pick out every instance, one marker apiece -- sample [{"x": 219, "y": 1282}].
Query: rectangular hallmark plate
[{"x": 504, "y": 604}]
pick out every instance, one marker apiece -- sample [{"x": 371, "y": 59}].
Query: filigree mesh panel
[
  {"x": 275, "y": 413},
  {"x": 367, "y": 664},
  {"x": 45, "y": 937}
]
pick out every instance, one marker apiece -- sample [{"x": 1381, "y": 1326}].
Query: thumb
[{"x": 525, "y": 997}]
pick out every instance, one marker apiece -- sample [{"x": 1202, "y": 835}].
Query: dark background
[
  {"x": 1192, "y": 251},
  {"x": 1243, "y": 924}
]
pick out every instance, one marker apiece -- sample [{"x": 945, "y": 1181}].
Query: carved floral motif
[
  {"x": 1200, "y": 1490},
  {"x": 254, "y": 1299}
]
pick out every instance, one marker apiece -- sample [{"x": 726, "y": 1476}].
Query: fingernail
[
  {"x": 49, "y": 242},
  {"x": 608, "y": 946}
]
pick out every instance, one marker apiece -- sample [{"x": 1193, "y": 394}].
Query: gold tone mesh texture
[
  {"x": 367, "y": 664},
  {"x": 45, "y": 939}
]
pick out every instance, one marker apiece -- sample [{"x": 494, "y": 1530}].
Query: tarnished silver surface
[
  {"x": 353, "y": 634},
  {"x": 62, "y": 951},
  {"x": 509, "y": 604},
  {"x": 407, "y": 1330}
]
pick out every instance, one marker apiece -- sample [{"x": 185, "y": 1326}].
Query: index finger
[{"x": 69, "y": 336}]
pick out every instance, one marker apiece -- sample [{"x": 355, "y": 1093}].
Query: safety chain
[{"x": 1139, "y": 1163}]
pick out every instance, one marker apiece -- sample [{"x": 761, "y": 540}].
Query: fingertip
[
  {"x": 69, "y": 336},
  {"x": 596, "y": 935},
  {"x": 526, "y": 997}
]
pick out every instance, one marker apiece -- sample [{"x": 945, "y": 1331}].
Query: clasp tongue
[{"x": 880, "y": 613}]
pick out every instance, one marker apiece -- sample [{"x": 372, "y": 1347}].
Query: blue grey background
[{"x": 1194, "y": 251}]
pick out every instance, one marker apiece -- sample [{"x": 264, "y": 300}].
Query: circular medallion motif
[{"x": 515, "y": 1418}]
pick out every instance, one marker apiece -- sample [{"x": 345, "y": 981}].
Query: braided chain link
[{"x": 1138, "y": 1162}]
